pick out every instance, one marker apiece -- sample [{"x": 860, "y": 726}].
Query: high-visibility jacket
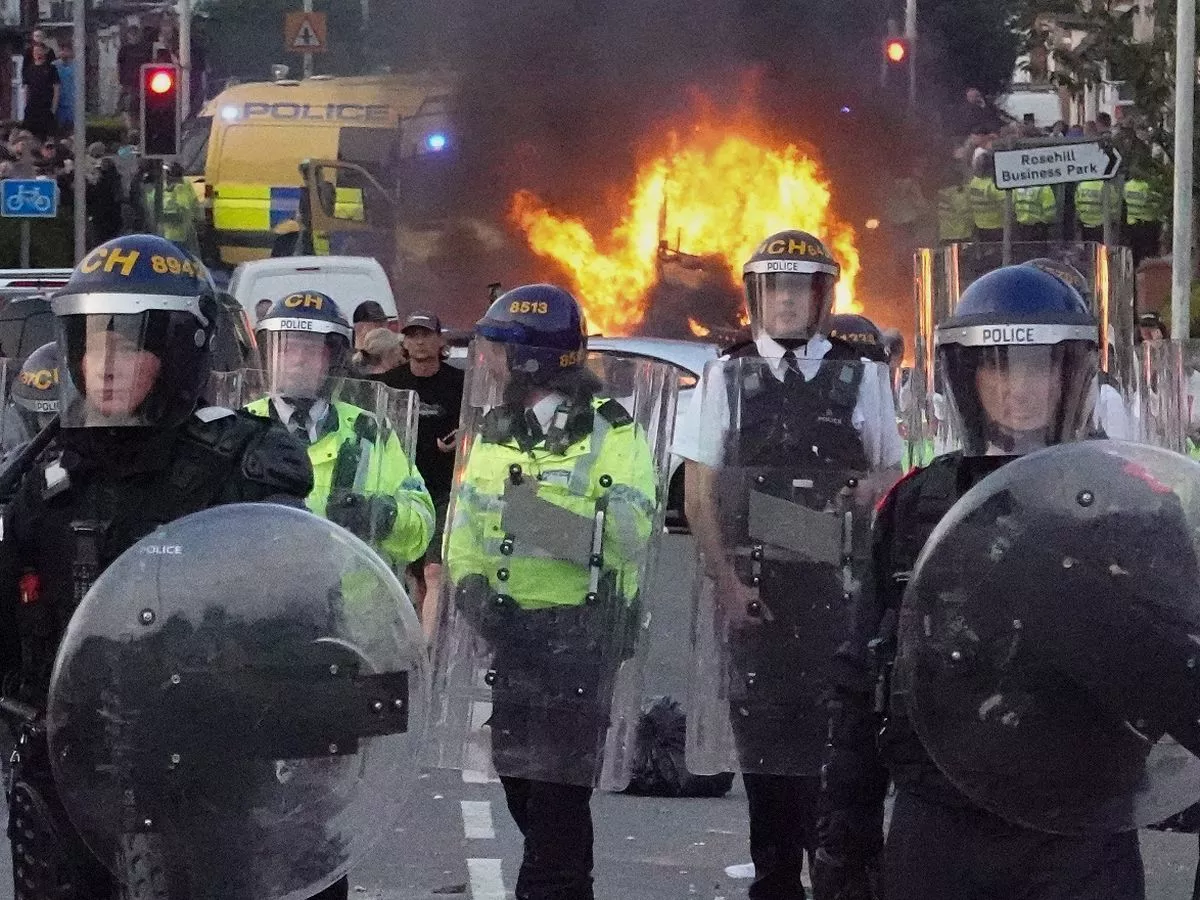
[
  {"x": 987, "y": 203},
  {"x": 180, "y": 212},
  {"x": 1089, "y": 203},
  {"x": 1034, "y": 205},
  {"x": 609, "y": 467},
  {"x": 954, "y": 214},
  {"x": 388, "y": 472},
  {"x": 1142, "y": 202}
]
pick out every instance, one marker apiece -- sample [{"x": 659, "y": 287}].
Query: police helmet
[
  {"x": 541, "y": 329},
  {"x": 789, "y": 284},
  {"x": 304, "y": 340},
  {"x": 1064, "y": 272},
  {"x": 35, "y": 390},
  {"x": 136, "y": 321},
  {"x": 860, "y": 333},
  {"x": 1019, "y": 355}
]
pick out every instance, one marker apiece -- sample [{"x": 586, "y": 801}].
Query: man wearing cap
[
  {"x": 368, "y": 316},
  {"x": 439, "y": 388}
]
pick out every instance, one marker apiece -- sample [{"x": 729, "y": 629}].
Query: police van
[{"x": 244, "y": 152}]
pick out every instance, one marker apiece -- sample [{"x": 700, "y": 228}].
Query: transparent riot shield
[
  {"x": 1163, "y": 405},
  {"x": 1103, "y": 275},
  {"x": 557, "y": 509},
  {"x": 791, "y": 460},
  {"x": 236, "y": 707},
  {"x": 361, "y": 438},
  {"x": 1048, "y": 640}
]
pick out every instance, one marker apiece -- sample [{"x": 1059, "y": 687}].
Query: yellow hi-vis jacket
[
  {"x": 388, "y": 472},
  {"x": 954, "y": 214},
  {"x": 608, "y": 467},
  {"x": 987, "y": 203},
  {"x": 1034, "y": 205}
]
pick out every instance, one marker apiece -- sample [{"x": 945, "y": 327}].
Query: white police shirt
[
  {"x": 701, "y": 436},
  {"x": 316, "y": 415}
]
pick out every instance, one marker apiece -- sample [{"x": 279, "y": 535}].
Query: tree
[{"x": 969, "y": 43}]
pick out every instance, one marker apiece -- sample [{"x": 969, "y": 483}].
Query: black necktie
[
  {"x": 791, "y": 369},
  {"x": 302, "y": 419}
]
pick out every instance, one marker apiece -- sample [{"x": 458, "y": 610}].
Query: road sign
[
  {"x": 1059, "y": 164},
  {"x": 304, "y": 32},
  {"x": 28, "y": 198}
]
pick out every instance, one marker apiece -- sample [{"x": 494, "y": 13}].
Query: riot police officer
[
  {"x": 133, "y": 449},
  {"x": 556, "y": 505},
  {"x": 362, "y": 478},
  {"x": 790, "y": 428},
  {"x": 1020, "y": 355},
  {"x": 33, "y": 398}
]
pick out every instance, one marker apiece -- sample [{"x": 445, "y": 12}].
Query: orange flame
[
  {"x": 719, "y": 192},
  {"x": 698, "y": 328}
]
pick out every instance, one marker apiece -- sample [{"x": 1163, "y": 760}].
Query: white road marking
[
  {"x": 487, "y": 880},
  {"x": 477, "y": 820}
]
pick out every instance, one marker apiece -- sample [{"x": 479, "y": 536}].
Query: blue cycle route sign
[{"x": 28, "y": 198}]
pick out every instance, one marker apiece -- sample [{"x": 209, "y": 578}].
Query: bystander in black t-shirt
[{"x": 440, "y": 398}]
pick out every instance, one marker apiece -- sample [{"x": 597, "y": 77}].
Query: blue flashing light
[{"x": 436, "y": 142}]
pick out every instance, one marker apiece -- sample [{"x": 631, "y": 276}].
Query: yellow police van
[{"x": 244, "y": 154}]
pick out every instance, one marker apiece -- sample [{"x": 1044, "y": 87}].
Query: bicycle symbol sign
[{"x": 28, "y": 198}]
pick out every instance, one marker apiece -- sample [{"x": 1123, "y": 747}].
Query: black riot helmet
[
  {"x": 305, "y": 341},
  {"x": 789, "y": 284},
  {"x": 35, "y": 390},
  {"x": 1020, "y": 356},
  {"x": 136, "y": 324}
]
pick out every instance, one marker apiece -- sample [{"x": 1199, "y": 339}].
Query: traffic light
[
  {"x": 896, "y": 70},
  {"x": 160, "y": 110}
]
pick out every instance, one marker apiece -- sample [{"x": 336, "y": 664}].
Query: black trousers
[
  {"x": 556, "y": 822},
  {"x": 937, "y": 852},
  {"x": 783, "y": 831}
]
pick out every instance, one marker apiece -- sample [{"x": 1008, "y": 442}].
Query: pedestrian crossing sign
[{"x": 304, "y": 32}]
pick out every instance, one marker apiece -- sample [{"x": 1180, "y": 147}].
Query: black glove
[
  {"x": 476, "y": 601},
  {"x": 835, "y": 878},
  {"x": 369, "y": 517}
]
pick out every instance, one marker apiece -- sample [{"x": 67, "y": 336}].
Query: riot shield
[
  {"x": 1163, "y": 410},
  {"x": 1048, "y": 642},
  {"x": 1106, "y": 275},
  {"x": 553, "y": 525},
  {"x": 790, "y": 462},
  {"x": 237, "y": 704},
  {"x": 361, "y": 438}
]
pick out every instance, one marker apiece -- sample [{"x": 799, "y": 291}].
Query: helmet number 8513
[{"x": 529, "y": 306}]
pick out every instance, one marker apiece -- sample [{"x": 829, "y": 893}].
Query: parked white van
[{"x": 349, "y": 280}]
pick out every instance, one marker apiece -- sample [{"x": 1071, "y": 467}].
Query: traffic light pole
[
  {"x": 79, "y": 185},
  {"x": 1185, "y": 113},
  {"x": 185, "y": 57},
  {"x": 910, "y": 32},
  {"x": 308, "y": 57}
]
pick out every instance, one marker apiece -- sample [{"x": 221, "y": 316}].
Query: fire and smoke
[
  {"x": 567, "y": 115},
  {"x": 716, "y": 193}
]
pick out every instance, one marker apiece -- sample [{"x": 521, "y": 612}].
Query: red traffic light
[
  {"x": 161, "y": 81},
  {"x": 896, "y": 50}
]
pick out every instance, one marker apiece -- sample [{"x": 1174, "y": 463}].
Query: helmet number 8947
[
  {"x": 164, "y": 264},
  {"x": 528, "y": 306}
]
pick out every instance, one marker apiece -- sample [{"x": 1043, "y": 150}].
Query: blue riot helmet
[
  {"x": 35, "y": 390},
  {"x": 860, "y": 333},
  {"x": 305, "y": 341},
  {"x": 1019, "y": 355},
  {"x": 136, "y": 321},
  {"x": 1063, "y": 271},
  {"x": 536, "y": 332}
]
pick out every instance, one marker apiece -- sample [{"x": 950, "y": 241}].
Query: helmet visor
[
  {"x": 113, "y": 366},
  {"x": 788, "y": 305},
  {"x": 1017, "y": 399},
  {"x": 298, "y": 364}
]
